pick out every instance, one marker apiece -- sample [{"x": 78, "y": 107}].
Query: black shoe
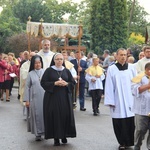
[
  {"x": 95, "y": 114},
  {"x": 56, "y": 142},
  {"x": 98, "y": 111},
  {"x": 38, "y": 138},
  {"x": 18, "y": 96},
  {"x": 83, "y": 109},
  {"x": 64, "y": 141}
]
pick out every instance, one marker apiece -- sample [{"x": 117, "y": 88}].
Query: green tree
[
  {"x": 100, "y": 25},
  {"x": 119, "y": 24},
  {"x": 10, "y": 3},
  {"x": 137, "y": 22},
  {"x": 58, "y": 10},
  {"x": 21, "y": 40},
  {"x": 9, "y": 25},
  {"x": 82, "y": 16},
  {"x": 37, "y": 9},
  {"x": 108, "y": 25}
]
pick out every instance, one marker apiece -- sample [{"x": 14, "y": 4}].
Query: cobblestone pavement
[{"x": 93, "y": 132}]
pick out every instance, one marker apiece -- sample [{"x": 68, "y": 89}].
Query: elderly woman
[
  {"x": 58, "y": 83},
  {"x": 7, "y": 80},
  {"x": 33, "y": 98}
]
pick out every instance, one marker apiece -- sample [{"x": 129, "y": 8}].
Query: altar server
[
  {"x": 119, "y": 98},
  {"x": 141, "y": 107},
  {"x": 94, "y": 76}
]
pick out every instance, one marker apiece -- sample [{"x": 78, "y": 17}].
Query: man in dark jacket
[{"x": 80, "y": 66}]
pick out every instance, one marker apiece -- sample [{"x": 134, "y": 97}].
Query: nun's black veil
[
  {"x": 32, "y": 62},
  {"x": 53, "y": 63}
]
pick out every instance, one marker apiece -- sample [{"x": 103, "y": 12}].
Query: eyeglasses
[{"x": 59, "y": 59}]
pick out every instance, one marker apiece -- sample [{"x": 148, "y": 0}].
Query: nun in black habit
[{"x": 58, "y": 84}]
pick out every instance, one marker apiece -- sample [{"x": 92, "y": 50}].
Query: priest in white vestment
[
  {"x": 46, "y": 53},
  {"x": 119, "y": 98},
  {"x": 140, "y": 65}
]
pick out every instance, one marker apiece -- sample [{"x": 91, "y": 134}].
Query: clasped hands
[
  {"x": 94, "y": 79},
  {"x": 61, "y": 83}
]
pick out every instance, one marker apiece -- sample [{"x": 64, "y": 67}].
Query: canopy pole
[
  {"x": 41, "y": 26},
  {"x": 79, "y": 46},
  {"x": 65, "y": 43},
  {"x": 29, "y": 36}
]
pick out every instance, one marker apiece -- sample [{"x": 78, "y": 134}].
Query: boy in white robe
[
  {"x": 94, "y": 76},
  {"x": 119, "y": 98},
  {"x": 141, "y": 107}
]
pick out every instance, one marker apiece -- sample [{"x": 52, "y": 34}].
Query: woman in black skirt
[{"x": 7, "y": 79}]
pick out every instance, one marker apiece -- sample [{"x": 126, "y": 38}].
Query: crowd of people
[{"x": 45, "y": 76}]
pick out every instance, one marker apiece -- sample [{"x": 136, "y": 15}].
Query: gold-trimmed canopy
[{"x": 50, "y": 30}]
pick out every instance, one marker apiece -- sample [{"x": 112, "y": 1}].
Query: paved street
[{"x": 93, "y": 132}]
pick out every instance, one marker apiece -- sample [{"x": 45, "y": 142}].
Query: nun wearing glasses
[{"x": 58, "y": 84}]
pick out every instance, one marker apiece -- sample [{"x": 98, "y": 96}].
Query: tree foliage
[
  {"x": 108, "y": 24},
  {"x": 104, "y": 21},
  {"x": 119, "y": 24},
  {"x": 137, "y": 39},
  {"x": 34, "y": 8},
  {"x": 138, "y": 20},
  {"x": 82, "y": 15},
  {"x": 58, "y": 10},
  {"x": 21, "y": 40},
  {"x": 10, "y": 3},
  {"x": 9, "y": 25},
  {"x": 50, "y": 10}
]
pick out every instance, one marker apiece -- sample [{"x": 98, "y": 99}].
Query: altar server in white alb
[
  {"x": 46, "y": 53},
  {"x": 94, "y": 76},
  {"x": 141, "y": 107},
  {"x": 119, "y": 98}
]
